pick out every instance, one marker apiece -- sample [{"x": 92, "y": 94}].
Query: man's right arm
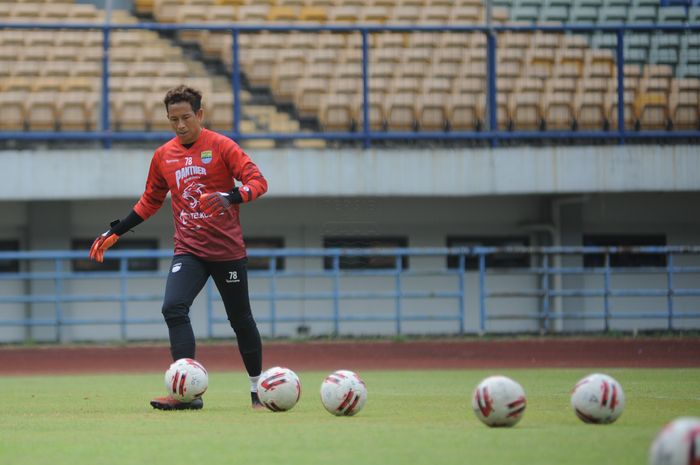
[{"x": 150, "y": 201}]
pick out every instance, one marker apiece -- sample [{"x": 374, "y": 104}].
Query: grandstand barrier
[
  {"x": 365, "y": 134},
  {"x": 440, "y": 286}
]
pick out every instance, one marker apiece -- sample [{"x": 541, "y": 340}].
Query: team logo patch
[
  {"x": 206, "y": 156},
  {"x": 176, "y": 267}
]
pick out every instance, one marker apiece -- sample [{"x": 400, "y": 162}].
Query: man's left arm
[{"x": 253, "y": 185}]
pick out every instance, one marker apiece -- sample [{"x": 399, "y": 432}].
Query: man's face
[{"x": 186, "y": 123}]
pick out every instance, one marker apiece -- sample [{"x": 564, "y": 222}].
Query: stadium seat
[
  {"x": 377, "y": 119},
  {"x": 401, "y": 111},
  {"x": 130, "y": 111},
  {"x": 652, "y": 110},
  {"x": 283, "y": 13},
  {"x": 12, "y": 112},
  {"x": 555, "y": 14},
  {"x": 465, "y": 111},
  {"x": 219, "y": 111},
  {"x": 630, "y": 111},
  {"x": 583, "y": 14},
  {"x": 590, "y": 110},
  {"x": 308, "y": 97},
  {"x": 253, "y": 13},
  {"x": 525, "y": 108},
  {"x": 423, "y": 40},
  {"x": 643, "y": 14},
  {"x": 73, "y": 111},
  {"x": 558, "y": 110},
  {"x": 40, "y": 113},
  {"x": 443, "y": 70},
  {"x": 432, "y": 111},
  {"x": 685, "y": 109},
  {"x": 336, "y": 112},
  {"x": 46, "y": 84},
  {"x": 313, "y": 15},
  {"x": 375, "y": 14},
  {"x": 343, "y": 15},
  {"x": 613, "y": 14},
  {"x": 465, "y": 14},
  {"x": 672, "y": 14},
  {"x": 406, "y": 14}
]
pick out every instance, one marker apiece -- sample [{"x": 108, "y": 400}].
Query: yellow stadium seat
[
  {"x": 73, "y": 111},
  {"x": 308, "y": 97},
  {"x": 12, "y": 113},
  {"x": 219, "y": 112},
  {"x": 684, "y": 109},
  {"x": 47, "y": 84},
  {"x": 130, "y": 111},
  {"x": 558, "y": 110},
  {"x": 465, "y": 111},
  {"x": 432, "y": 111},
  {"x": 41, "y": 112},
  {"x": 401, "y": 111},
  {"x": 300, "y": 41},
  {"x": 525, "y": 108},
  {"x": 336, "y": 112},
  {"x": 435, "y": 14},
  {"x": 313, "y": 14},
  {"x": 465, "y": 14},
  {"x": 253, "y": 13},
  {"x": 377, "y": 118},
  {"x": 374, "y": 14},
  {"x": 652, "y": 110},
  {"x": 285, "y": 81},
  {"x": 285, "y": 13},
  {"x": 631, "y": 114},
  {"x": 590, "y": 110}
]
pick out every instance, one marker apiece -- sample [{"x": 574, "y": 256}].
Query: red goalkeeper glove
[
  {"x": 103, "y": 242},
  {"x": 215, "y": 203}
]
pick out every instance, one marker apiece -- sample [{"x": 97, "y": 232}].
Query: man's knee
[{"x": 175, "y": 314}]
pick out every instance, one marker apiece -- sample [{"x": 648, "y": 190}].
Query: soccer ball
[
  {"x": 598, "y": 398},
  {"x": 343, "y": 393},
  {"x": 186, "y": 380},
  {"x": 279, "y": 389},
  {"x": 678, "y": 443},
  {"x": 499, "y": 401}
]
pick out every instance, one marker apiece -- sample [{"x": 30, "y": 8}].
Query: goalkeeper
[{"x": 199, "y": 168}]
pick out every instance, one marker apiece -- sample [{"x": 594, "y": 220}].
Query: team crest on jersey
[{"x": 206, "y": 156}]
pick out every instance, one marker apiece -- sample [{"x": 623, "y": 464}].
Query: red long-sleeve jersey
[{"x": 212, "y": 164}]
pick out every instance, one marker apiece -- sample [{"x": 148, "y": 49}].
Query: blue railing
[
  {"x": 446, "y": 287},
  {"x": 493, "y": 133}
]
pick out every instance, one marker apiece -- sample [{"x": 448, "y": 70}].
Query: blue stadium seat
[
  {"x": 642, "y": 14},
  {"x": 555, "y": 13},
  {"x": 672, "y": 14},
  {"x": 613, "y": 14},
  {"x": 583, "y": 14}
]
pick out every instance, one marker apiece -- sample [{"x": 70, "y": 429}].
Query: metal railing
[
  {"x": 544, "y": 284},
  {"x": 493, "y": 133}
]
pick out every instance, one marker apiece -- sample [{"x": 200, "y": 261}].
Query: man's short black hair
[{"x": 183, "y": 93}]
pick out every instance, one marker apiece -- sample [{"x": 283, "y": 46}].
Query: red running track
[{"x": 431, "y": 354}]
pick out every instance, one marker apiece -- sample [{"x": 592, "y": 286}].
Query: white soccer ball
[
  {"x": 186, "y": 380},
  {"x": 343, "y": 393},
  {"x": 279, "y": 389},
  {"x": 598, "y": 398},
  {"x": 499, "y": 401},
  {"x": 678, "y": 443}
]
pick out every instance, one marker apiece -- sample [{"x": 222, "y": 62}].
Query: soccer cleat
[
  {"x": 168, "y": 403},
  {"x": 255, "y": 401}
]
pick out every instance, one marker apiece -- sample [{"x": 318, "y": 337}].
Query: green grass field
[{"x": 419, "y": 417}]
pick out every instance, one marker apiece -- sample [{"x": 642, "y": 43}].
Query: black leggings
[{"x": 188, "y": 275}]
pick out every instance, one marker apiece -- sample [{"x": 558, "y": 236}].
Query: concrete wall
[{"x": 425, "y": 221}]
